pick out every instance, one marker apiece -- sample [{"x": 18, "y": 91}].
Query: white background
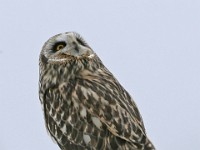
[{"x": 151, "y": 46}]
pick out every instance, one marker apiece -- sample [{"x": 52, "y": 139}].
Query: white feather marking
[
  {"x": 63, "y": 129},
  {"x": 95, "y": 95},
  {"x": 76, "y": 105},
  {"x": 69, "y": 119},
  {"x": 57, "y": 59},
  {"x": 47, "y": 78},
  {"x": 100, "y": 70},
  {"x": 83, "y": 112},
  {"x": 91, "y": 56},
  {"x": 54, "y": 80},
  {"x": 85, "y": 92},
  {"x": 50, "y": 112},
  {"x": 104, "y": 101},
  {"x": 62, "y": 114},
  {"x": 86, "y": 138},
  {"x": 97, "y": 122},
  {"x": 54, "y": 117}
]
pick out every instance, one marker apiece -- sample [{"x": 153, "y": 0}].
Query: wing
[
  {"x": 68, "y": 123},
  {"x": 106, "y": 99}
]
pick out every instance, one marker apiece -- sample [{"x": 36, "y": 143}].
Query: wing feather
[{"x": 105, "y": 98}]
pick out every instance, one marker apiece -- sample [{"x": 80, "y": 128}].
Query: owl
[{"x": 85, "y": 107}]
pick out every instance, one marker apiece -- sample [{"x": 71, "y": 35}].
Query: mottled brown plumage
[{"x": 85, "y": 107}]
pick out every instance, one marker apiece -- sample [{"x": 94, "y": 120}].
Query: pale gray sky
[{"x": 152, "y": 47}]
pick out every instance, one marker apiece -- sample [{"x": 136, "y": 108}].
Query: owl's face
[{"x": 64, "y": 47}]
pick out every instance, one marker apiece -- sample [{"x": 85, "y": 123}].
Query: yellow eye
[{"x": 58, "y": 46}]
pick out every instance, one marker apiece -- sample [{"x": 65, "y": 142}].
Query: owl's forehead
[
  {"x": 64, "y": 36},
  {"x": 57, "y": 38}
]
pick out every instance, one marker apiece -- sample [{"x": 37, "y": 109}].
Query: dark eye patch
[
  {"x": 59, "y": 45},
  {"x": 43, "y": 59},
  {"x": 81, "y": 42}
]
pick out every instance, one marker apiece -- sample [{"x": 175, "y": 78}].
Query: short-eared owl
[{"x": 85, "y": 107}]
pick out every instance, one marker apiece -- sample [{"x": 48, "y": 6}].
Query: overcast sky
[{"x": 151, "y": 46}]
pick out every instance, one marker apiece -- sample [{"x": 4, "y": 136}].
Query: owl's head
[{"x": 65, "y": 47}]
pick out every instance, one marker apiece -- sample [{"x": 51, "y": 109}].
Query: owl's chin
[
  {"x": 58, "y": 60},
  {"x": 67, "y": 58}
]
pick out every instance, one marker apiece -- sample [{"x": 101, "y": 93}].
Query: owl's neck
[{"x": 55, "y": 74}]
